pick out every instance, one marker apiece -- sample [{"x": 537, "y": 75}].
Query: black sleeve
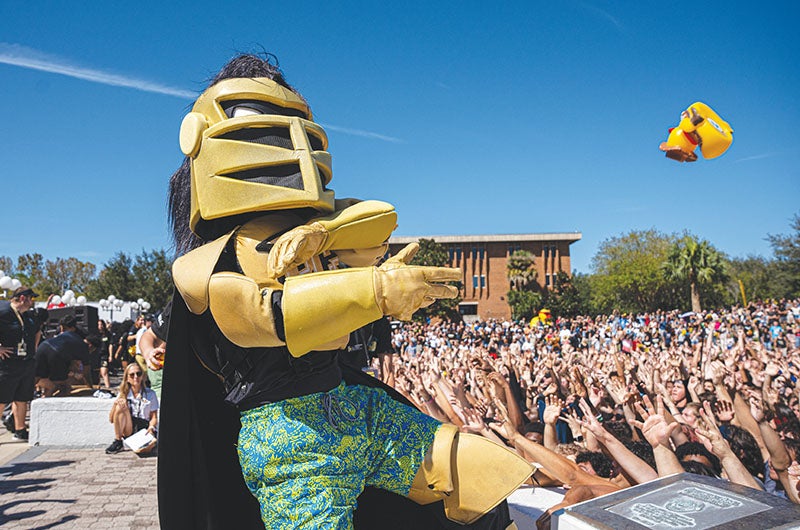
[
  {"x": 382, "y": 334},
  {"x": 160, "y": 326}
]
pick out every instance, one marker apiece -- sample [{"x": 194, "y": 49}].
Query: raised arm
[
  {"x": 657, "y": 432},
  {"x": 733, "y": 467},
  {"x": 636, "y": 468}
]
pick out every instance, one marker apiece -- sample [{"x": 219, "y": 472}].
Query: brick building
[{"x": 483, "y": 262}]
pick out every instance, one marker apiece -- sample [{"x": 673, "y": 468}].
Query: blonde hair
[{"x": 125, "y": 385}]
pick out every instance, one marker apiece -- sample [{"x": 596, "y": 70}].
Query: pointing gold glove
[{"x": 402, "y": 289}]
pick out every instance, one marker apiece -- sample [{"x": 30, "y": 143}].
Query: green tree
[
  {"x": 433, "y": 254},
  {"x": 524, "y": 304},
  {"x": 153, "y": 276},
  {"x": 146, "y": 276},
  {"x": 521, "y": 270},
  {"x": 7, "y": 265},
  {"x": 757, "y": 275},
  {"x": 50, "y": 277},
  {"x": 30, "y": 271},
  {"x": 570, "y": 296},
  {"x": 696, "y": 263},
  {"x": 69, "y": 273},
  {"x": 786, "y": 248},
  {"x": 628, "y": 273},
  {"x": 115, "y": 278},
  {"x": 523, "y": 296}
]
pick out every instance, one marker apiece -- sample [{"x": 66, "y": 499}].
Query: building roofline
[{"x": 571, "y": 237}]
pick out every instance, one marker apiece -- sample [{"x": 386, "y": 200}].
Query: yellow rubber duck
[{"x": 699, "y": 125}]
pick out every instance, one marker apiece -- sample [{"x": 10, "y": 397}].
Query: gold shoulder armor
[{"x": 192, "y": 271}]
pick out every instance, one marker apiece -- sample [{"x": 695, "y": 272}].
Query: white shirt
[{"x": 141, "y": 407}]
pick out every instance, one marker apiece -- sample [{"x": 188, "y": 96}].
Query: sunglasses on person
[{"x": 135, "y": 374}]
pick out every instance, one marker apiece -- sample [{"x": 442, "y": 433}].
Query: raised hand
[
  {"x": 655, "y": 428},
  {"x": 590, "y": 422},
  {"x": 552, "y": 409},
  {"x": 706, "y": 428},
  {"x": 473, "y": 422},
  {"x": 573, "y": 421},
  {"x": 617, "y": 391},
  {"x": 724, "y": 411},
  {"x": 756, "y": 408}
]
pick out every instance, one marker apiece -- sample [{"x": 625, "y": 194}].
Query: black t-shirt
[
  {"x": 367, "y": 343},
  {"x": 12, "y": 332},
  {"x": 255, "y": 376},
  {"x": 68, "y": 345}
]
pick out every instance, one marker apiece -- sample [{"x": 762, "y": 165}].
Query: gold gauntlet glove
[
  {"x": 402, "y": 289},
  {"x": 321, "y": 307},
  {"x": 363, "y": 225}
]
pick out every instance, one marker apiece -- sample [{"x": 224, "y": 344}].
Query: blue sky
[{"x": 471, "y": 118}]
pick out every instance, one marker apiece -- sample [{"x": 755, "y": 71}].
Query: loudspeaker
[{"x": 86, "y": 316}]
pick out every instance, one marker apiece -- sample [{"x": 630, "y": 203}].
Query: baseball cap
[{"x": 24, "y": 291}]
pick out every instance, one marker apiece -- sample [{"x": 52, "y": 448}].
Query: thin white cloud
[
  {"x": 755, "y": 157},
  {"x": 362, "y": 133},
  {"x": 24, "y": 57},
  {"x": 604, "y": 14}
]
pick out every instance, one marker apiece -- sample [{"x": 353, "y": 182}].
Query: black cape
[{"x": 200, "y": 484}]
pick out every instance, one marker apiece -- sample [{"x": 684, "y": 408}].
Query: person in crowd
[
  {"x": 58, "y": 357},
  {"x": 153, "y": 346},
  {"x": 119, "y": 345},
  {"x": 103, "y": 354},
  {"x": 134, "y": 409},
  {"x": 129, "y": 342},
  {"x": 18, "y": 339},
  {"x": 146, "y": 321}
]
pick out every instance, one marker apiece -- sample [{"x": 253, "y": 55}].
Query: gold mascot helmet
[{"x": 253, "y": 147}]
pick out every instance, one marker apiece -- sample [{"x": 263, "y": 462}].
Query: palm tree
[
  {"x": 521, "y": 269},
  {"x": 695, "y": 262}
]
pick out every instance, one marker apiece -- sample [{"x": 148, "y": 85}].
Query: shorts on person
[{"x": 307, "y": 459}]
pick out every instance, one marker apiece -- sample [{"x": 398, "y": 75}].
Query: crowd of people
[
  {"x": 602, "y": 403},
  {"x": 73, "y": 361},
  {"x": 596, "y": 404}
]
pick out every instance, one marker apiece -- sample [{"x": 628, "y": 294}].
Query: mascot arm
[
  {"x": 321, "y": 307},
  {"x": 244, "y": 312},
  {"x": 363, "y": 225}
]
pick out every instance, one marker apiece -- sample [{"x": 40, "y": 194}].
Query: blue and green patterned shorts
[{"x": 307, "y": 459}]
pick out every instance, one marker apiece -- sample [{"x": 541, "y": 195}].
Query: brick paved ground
[{"x": 64, "y": 488}]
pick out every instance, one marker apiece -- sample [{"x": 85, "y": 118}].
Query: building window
[
  {"x": 547, "y": 279},
  {"x": 475, "y": 282},
  {"x": 468, "y": 309},
  {"x": 452, "y": 252},
  {"x": 483, "y": 281},
  {"x": 458, "y": 254}
]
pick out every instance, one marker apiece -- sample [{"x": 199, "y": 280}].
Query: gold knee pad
[{"x": 470, "y": 473}]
